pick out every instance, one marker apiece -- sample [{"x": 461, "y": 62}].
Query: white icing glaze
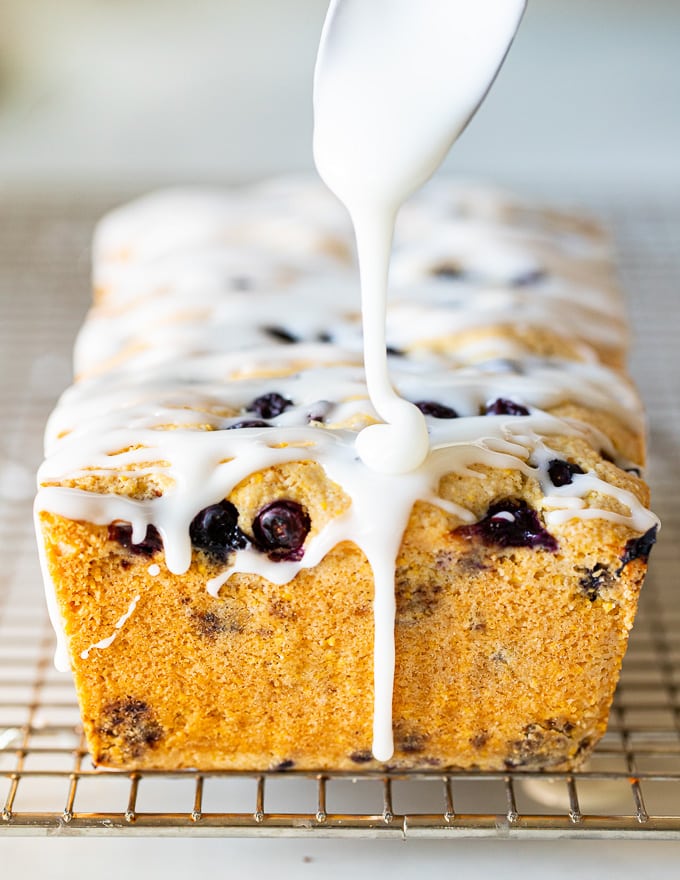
[
  {"x": 61, "y": 655},
  {"x": 144, "y": 365},
  {"x": 109, "y": 640}
]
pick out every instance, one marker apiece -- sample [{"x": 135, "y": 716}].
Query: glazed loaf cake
[{"x": 234, "y": 588}]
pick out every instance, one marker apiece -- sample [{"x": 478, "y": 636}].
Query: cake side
[{"x": 506, "y": 656}]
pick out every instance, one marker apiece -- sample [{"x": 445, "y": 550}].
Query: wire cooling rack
[{"x": 631, "y": 787}]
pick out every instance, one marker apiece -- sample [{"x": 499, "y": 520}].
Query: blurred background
[{"x": 111, "y": 94}]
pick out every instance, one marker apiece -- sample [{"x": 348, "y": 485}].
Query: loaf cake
[{"x": 234, "y": 589}]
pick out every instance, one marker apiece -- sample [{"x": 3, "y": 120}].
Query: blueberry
[
  {"x": 395, "y": 352},
  {"x": 281, "y": 334},
  {"x": 534, "y": 750},
  {"x": 411, "y": 742},
  {"x": 436, "y": 410},
  {"x": 248, "y": 423},
  {"x": 594, "y": 579},
  {"x": 208, "y": 624},
  {"x": 639, "y": 548},
  {"x": 132, "y": 723},
  {"x": 121, "y": 533},
  {"x": 503, "y": 407},
  {"x": 527, "y": 279},
  {"x": 319, "y": 410},
  {"x": 449, "y": 271},
  {"x": 215, "y": 531},
  {"x": 479, "y": 740},
  {"x": 363, "y": 757},
  {"x": 561, "y": 473},
  {"x": 268, "y": 406},
  {"x": 280, "y": 529},
  {"x": 224, "y": 620},
  {"x": 510, "y": 523}
]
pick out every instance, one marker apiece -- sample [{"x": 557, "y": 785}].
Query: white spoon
[{"x": 396, "y": 82}]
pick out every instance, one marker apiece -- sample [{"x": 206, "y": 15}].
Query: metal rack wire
[{"x": 631, "y": 787}]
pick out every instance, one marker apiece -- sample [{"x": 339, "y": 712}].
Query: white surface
[{"x": 328, "y": 859}]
